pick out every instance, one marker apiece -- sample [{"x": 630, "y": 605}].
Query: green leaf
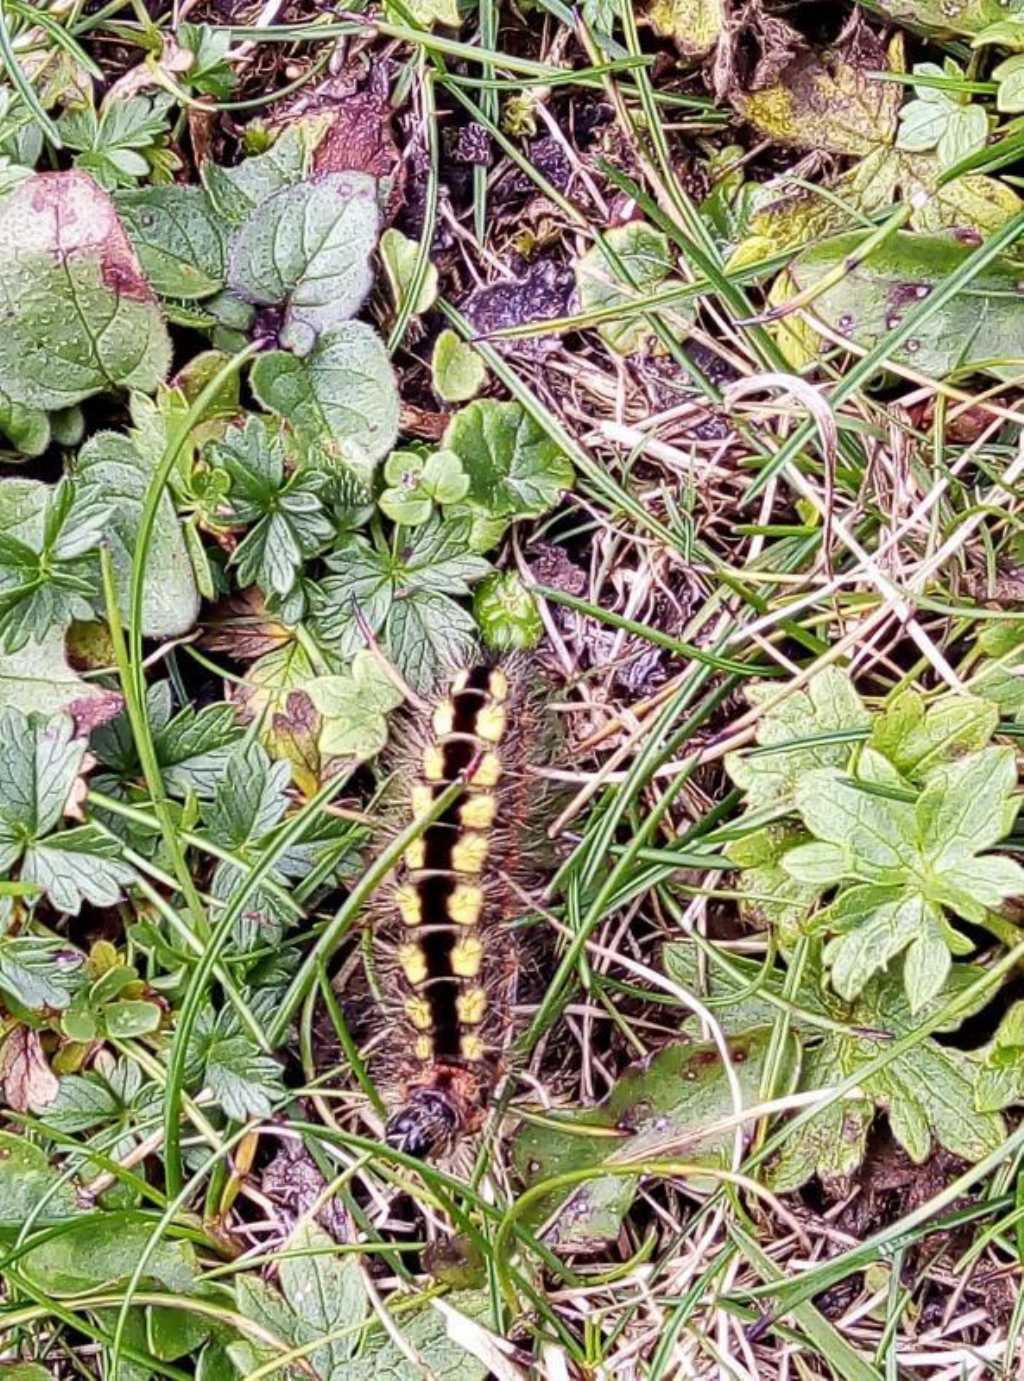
[
  {"x": 115, "y": 472},
  {"x": 180, "y": 240},
  {"x": 325, "y": 1291},
  {"x": 44, "y": 581},
  {"x": 285, "y": 515},
  {"x": 1010, "y": 76},
  {"x": 403, "y": 597},
  {"x": 915, "y": 738},
  {"x": 980, "y": 328},
  {"x": 244, "y": 1082},
  {"x": 307, "y": 249},
  {"x": 398, "y": 255},
  {"x": 507, "y": 613},
  {"x": 248, "y": 802},
  {"x": 102, "y": 1249},
  {"x": 38, "y": 679},
  {"x": 415, "y": 484},
  {"x": 662, "y": 1110},
  {"x": 249, "y": 799},
  {"x": 737, "y": 995},
  {"x": 38, "y": 972},
  {"x": 39, "y": 762},
  {"x": 236, "y": 192},
  {"x": 113, "y": 143},
  {"x": 950, "y": 16},
  {"x": 515, "y": 470},
  {"x": 457, "y": 371},
  {"x": 928, "y": 1093},
  {"x": 27, "y": 1179},
  {"x": 426, "y": 13},
  {"x": 192, "y": 747},
  {"x": 773, "y": 891},
  {"x": 828, "y": 708},
  {"x": 911, "y": 860},
  {"x": 28, "y": 429},
  {"x": 80, "y": 318},
  {"x": 631, "y": 262},
  {"x": 342, "y": 395},
  {"x": 211, "y": 73},
  {"x": 429, "y": 1333},
  {"x": 354, "y": 707}
]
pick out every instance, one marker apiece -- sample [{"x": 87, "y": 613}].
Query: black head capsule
[{"x": 425, "y": 1127}]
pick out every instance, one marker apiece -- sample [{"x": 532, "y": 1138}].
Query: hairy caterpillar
[{"x": 449, "y": 964}]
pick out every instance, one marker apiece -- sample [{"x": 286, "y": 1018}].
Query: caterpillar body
[{"x": 448, "y": 961}]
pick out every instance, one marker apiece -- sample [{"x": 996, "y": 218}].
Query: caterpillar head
[{"x": 427, "y": 1126}]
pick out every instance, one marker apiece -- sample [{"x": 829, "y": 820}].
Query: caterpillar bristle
[{"x": 446, "y": 959}]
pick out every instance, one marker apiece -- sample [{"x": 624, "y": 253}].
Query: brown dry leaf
[
  {"x": 294, "y": 734},
  {"x": 241, "y": 627},
  {"x": 827, "y": 101},
  {"x": 29, "y": 1083},
  {"x": 353, "y": 133}
]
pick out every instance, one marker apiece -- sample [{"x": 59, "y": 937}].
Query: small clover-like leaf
[
  {"x": 354, "y": 707},
  {"x": 457, "y": 371}
]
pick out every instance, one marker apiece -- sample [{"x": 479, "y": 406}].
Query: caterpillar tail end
[{"x": 427, "y": 1126}]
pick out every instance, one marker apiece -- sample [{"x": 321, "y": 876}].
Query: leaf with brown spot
[
  {"x": 78, "y": 316},
  {"x": 669, "y": 1108},
  {"x": 29, "y": 1083},
  {"x": 828, "y": 101}
]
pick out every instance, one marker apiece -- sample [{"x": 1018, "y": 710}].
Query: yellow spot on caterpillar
[
  {"x": 471, "y": 1048},
  {"x": 490, "y": 723},
  {"x": 466, "y": 957},
  {"x": 488, "y": 771},
  {"x": 407, "y": 900},
  {"x": 497, "y": 684},
  {"x": 469, "y": 853},
  {"x": 478, "y": 812},
  {"x": 424, "y": 1048},
  {"x": 414, "y": 963},
  {"x": 417, "y": 1009},
  {"x": 416, "y": 854},
  {"x": 471, "y": 1006},
  {"x": 465, "y": 904},
  {"x": 459, "y": 684},
  {"x": 444, "y": 718},
  {"x": 422, "y": 800},
  {"x": 433, "y": 763}
]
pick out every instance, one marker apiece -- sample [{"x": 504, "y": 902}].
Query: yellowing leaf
[
  {"x": 829, "y": 102},
  {"x": 695, "y": 25}
]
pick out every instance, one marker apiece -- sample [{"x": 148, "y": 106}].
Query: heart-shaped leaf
[
  {"x": 307, "y": 248},
  {"x": 341, "y": 396}
]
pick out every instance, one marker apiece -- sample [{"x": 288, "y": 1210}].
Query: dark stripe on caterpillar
[{"x": 445, "y": 894}]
